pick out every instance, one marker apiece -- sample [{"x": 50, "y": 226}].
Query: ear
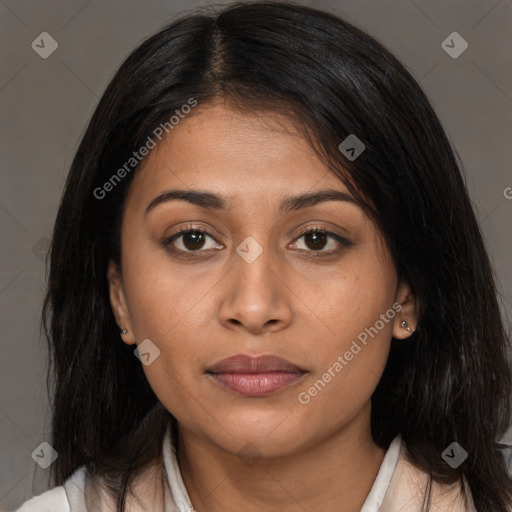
[
  {"x": 408, "y": 312},
  {"x": 118, "y": 302}
]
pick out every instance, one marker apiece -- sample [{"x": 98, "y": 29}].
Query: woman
[{"x": 268, "y": 289}]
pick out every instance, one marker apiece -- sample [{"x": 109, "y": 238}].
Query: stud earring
[
  {"x": 123, "y": 331},
  {"x": 405, "y": 325}
]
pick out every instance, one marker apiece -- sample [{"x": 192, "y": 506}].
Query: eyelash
[{"x": 166, "y": 243}]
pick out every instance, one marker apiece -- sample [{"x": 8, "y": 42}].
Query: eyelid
[
  {"x": 167, "y": 242},
  {"x": 341, "y": 240}
]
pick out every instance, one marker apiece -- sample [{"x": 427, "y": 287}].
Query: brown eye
[
  {"x": 316, "y": 239},
  {"x": 193, "y": 240},
  {"x": 190, "y": 240}
]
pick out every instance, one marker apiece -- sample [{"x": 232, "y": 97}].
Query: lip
[{"x": 255, "y": 376}]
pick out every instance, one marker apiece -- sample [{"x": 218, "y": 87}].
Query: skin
[{"x": 289, "y": 302}]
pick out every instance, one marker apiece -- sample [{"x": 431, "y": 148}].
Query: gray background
[{"x": 45, "y": 104}]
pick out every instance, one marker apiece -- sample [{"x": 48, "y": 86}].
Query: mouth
[{"x": 255, "y": 377}]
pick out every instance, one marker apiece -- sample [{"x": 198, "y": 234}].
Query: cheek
[
  {"x": 170, "y": 306},
  {"x": 357, "y": 309},
  {"x": 353, "y": 297},
  {"x": 161, "y": 294},
  {"x": 349, "y": 363},
  {"x": 167, "y": 310}
]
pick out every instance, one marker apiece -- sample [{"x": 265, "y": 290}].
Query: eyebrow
[{"x": 215, "y": 202}]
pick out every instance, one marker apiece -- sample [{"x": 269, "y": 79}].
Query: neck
[{"x": 332, "y": 474}]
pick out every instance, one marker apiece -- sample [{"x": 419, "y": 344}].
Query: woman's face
[{"x": 252, "y": 284}]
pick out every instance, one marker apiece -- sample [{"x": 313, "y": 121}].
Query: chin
[{"x": 269, "y": 431}]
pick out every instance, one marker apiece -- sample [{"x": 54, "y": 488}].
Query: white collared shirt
[{"x": 399, "y": 485}]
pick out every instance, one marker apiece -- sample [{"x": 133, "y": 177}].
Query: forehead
[{"x": 240, "y": 156}]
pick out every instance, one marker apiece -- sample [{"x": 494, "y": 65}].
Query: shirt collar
[
  {"x": 180, "y": 497},
  {"x": 387, "y": 469}
]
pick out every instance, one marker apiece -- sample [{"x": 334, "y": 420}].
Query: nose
[{"x": 255, "y": 296}]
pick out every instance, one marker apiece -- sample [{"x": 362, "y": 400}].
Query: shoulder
[
  {"x": 63, "y": 498},
  {"x": 83, "y": 492},
  {"x": 408, "y": 487},
  {"x": 54, "y": 500}
]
